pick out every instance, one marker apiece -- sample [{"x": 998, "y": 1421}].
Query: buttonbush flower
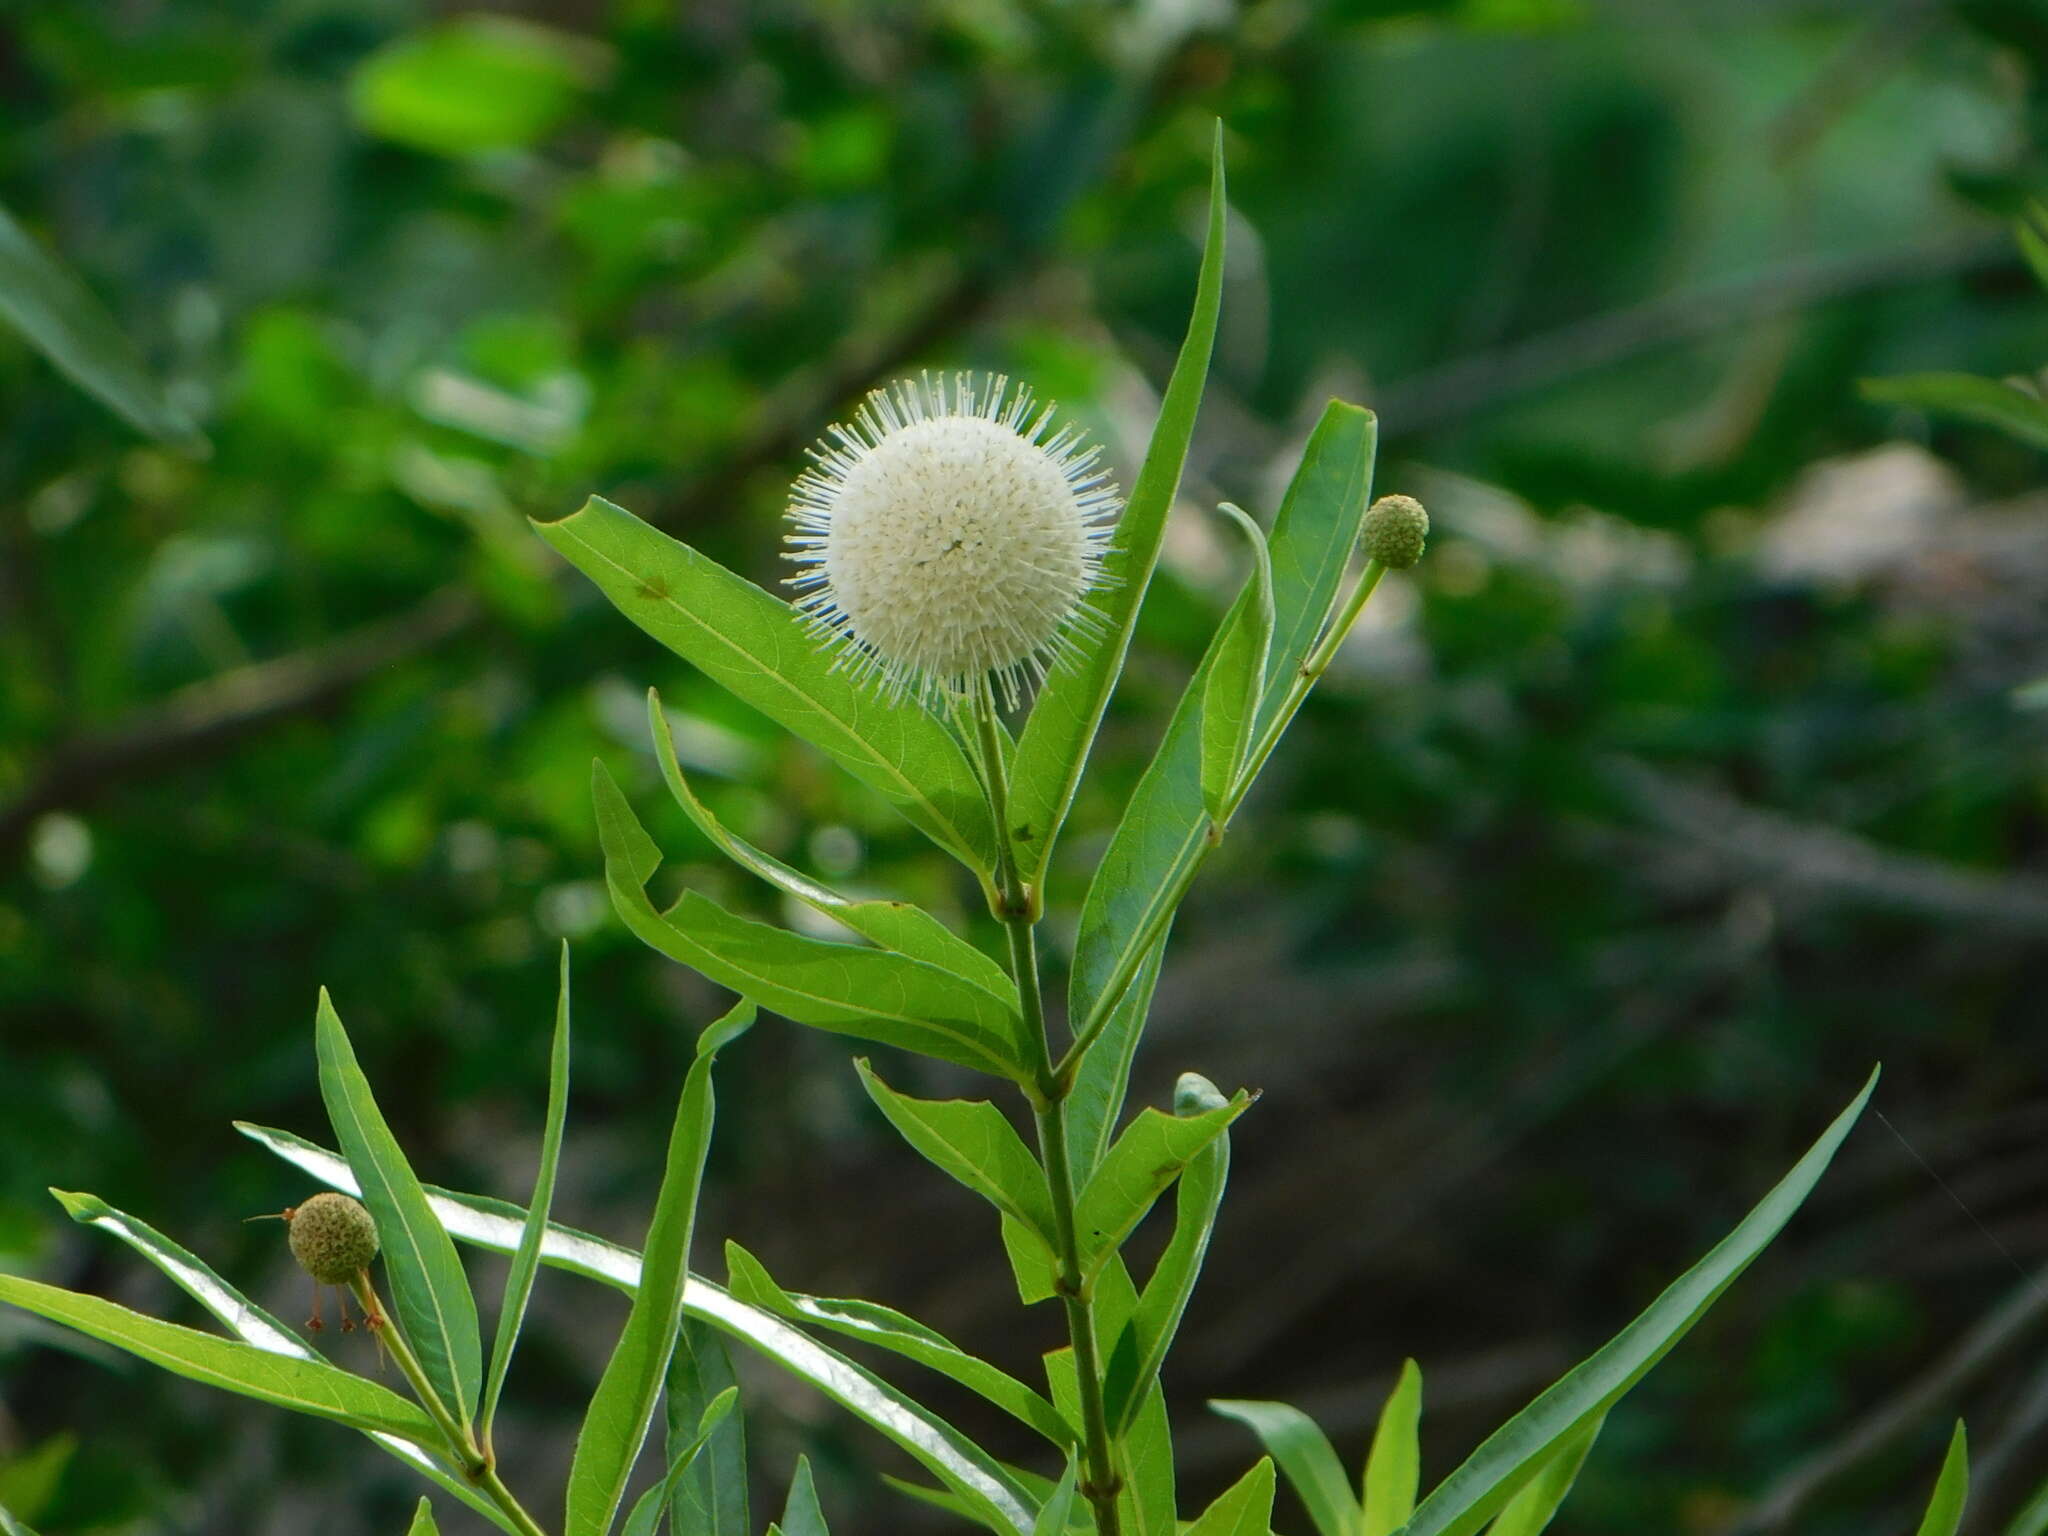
[{"x": 949, "y": 532}]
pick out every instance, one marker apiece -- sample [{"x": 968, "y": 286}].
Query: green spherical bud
[
  {"x": 1194, "y": 1094},
  {"x": 333, "y": 1238},
  {"x": 1396, "y": 528}
]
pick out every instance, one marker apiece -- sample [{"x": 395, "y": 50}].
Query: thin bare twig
[{"x": 1439, "y": 395}]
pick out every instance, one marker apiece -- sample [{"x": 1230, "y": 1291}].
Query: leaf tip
[{"x": 78, "y": 1206}]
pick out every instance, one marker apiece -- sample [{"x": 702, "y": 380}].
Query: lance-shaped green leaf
[
  {"x": 526, "y": 1262},
  {"x": 802, "y": 1515},
  {"x": 1508, "y": 1458},
  {"x": 755, "y": 646},
  {"x": 2031, "y": 230},
  {"x": 999, "y": 1498},
  {"x": 645, "y": 1518},
  {"x": 1306, "y": 1459},
  {"x": 1393, "y": 1467},
  {"x": 710, "y": 1498},
  {"x": 429, "y": 1291},
  {"x": 1245, "y": 1508},
  {"x": 849, "y": 989},
  {"x": 1530, "y": 1512},
  {"x": 1058, "y": 1509},
  {"x": 305, "y": 1386},
  {"x": 1054, "y": 747},
  {"x": 253, "y": 1325},
  {"x": 894, "y": 925},
  {"x": 885, "y": 1328},
  {"x": 1166, "y": 827},
  {"x": 1144, "y": 1453},
  {"x": 10, "y": 1525},
  {"x": 423, "y": 1521},
  {"x": 1313, "y": 539},
  {"x": 1148, "y": 1503},
  {"x": 1988, "y": 402},
  {"x": 1944, "y": 1515},
  {"x": 1140, "y": 1347},
  {"x": 65, "y": 323},
  {"x": 973, "y": 1141},
  {"x": 620, "y": 1410},
  {"x": 1103, "y": 1081},
  {"x": 1147, "y": 1158},
  {"x": 1237, "y": 681}
]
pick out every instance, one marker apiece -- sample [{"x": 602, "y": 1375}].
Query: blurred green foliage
[{"x": 1687, "y": 778}]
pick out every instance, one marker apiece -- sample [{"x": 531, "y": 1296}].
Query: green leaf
[
  {"x": 974, "y": 1142},
  {"x": 894, "y": 925},
  {"x": 429, "y": 1291},
  {"x": 2032, "y": 1520},
  {"x": 801, "y": 1514},
  {"x": 10, "y": 1526},
  {"x": 1166, "y": 827},
  {"x": 1470, "y": 1496},
  {"x": 1103, "y": 1081},
  {"x": 1951, "y": 1490},
  {"x": 1237, "y": 681},
  {"x": 1058, "y": 1510},
  {"x": 885, "y": 1328},
  {"x": 1140, "y": 1348},
  {"x": 1031, "y": 1262},
  {"x": 526, "y": 1262},
  {"x": 1530, "y": 1512},
  {"x": 253, "y": 1325},
  {"x": 475, "y": 83},
  {"x": 1145, "y": 1451},
  {"x": 710, "y": 1496},
  {"x": 846, "y": 988},
  {"x": 1054, "y": 747},
  {"x": 29, "y": 1480},
  {"x": 755, "y": 646},
  {"x": 645, "y": 1517},
  {"x": 2032, "y": 233},
  {"x": 310, "y": 1386},
  {"x": 423, "y": 1521},
  {"x": 1145, "y": 1160},
  {"x": 1305, "y": 1456},
  {"x": 1148, "y": 1501},
  {"x": 1313, "y": 539},
  {"x": 65, "y": 323},
  {"x": 1245, "y": 1508},
  {"x": 620, "y": 1410},
  {"x": 1393, "y": 1467},
  {"x": 997, "y": 1496},
  {"x": 1988, "y": 402}
]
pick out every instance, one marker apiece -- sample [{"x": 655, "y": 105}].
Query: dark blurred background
[{"x": 1695, "y": 770}]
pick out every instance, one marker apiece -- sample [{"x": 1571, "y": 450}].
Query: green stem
[
  {"x": 475, "y": 1464},
  {"x": 1101, "y": 1481}
]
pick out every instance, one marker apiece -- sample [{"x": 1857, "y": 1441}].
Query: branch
[
  {"x": 206, "y": 718},
  {"x": 1439, "y": 395}
]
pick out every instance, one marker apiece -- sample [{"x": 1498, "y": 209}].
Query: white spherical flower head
[{"x": 949, "y": 532}]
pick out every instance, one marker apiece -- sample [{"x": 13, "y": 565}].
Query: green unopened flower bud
[
  {"x": 1396, "y": 528},
  {"x": 333, "y": 1237},
  {"x": 1195, "y": 1094}
]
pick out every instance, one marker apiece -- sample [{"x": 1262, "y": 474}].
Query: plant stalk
[
  {"x": 1101, "y": 1482},
  {"x": 476, "y": 1466}
]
